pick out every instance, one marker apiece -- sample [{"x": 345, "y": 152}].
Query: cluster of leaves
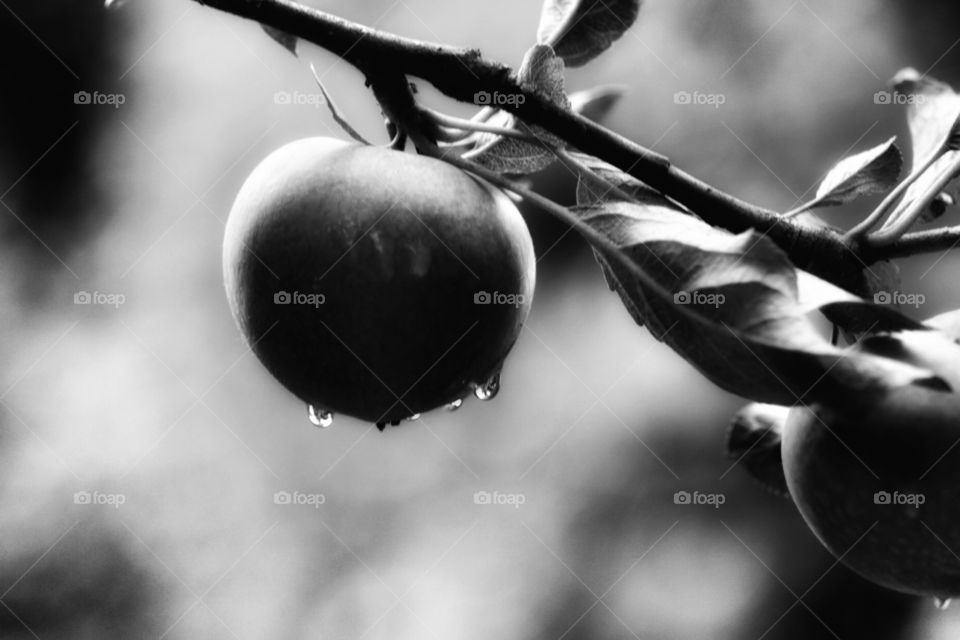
[{"x": 734, "y": 306}]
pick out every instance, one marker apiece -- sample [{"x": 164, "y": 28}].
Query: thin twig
[
  {"x": 912, "y": 212},
  {"x": 877, "y": 214}
]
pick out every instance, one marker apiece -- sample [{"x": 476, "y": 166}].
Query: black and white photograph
[{"x": 473, "y": 320}]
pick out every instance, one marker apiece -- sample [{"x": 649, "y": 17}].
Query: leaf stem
[
  {"x": 872, "y": 220},
  {"x": 900, "y": 224}
]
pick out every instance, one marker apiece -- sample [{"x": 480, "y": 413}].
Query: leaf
[
  {"x": 882, "y": 277},
  {"x": 930, "y": 349},
  {"x": 728, "y": 304},
  {"x": 859, "y": 318},
  {"x": 754, "y": 439},
  {"x": 580, "y": 30},
  {"x": 945, "y": 165},
  {"x": 814, "y": 292},
  {"x": 335, "y": 112},
  {"x": 947, "y": 323},
  {"x": 933, "y": 115},
  {"x": 510, "y": 155},
  {"x": 540, "y": 71},
  {"x": 867, "y": 173},
  {"x": 605, "y": 183},
  {"x": 597, "y": 103},
  {"x": 855, "y": 316},
  {"x": 933, "y": 110},
  {"x": 287, "y": 41}
]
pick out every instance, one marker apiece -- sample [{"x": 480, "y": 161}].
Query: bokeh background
[{"x": 142, "y": 446}]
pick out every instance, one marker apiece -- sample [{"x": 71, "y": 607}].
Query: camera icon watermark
[
  {"x": 496, "y": 297},
  {"x": 897, "y": 98},
  {"x": 99, "y": 298},
  {"x": 496, "y": 99},
  {"x": 114, "y": 500},
  {"x": 312, "y": 299},
  {"x": 699, "y": 298},
  {"x": 697, "y": 98},
  {"x": 299, "y": 99},
  {"x": 514, "y": 500},
  {"x": 697, "y": 498},
  {"x": 296, "y": 498},
  {"x": 899, "y": 499},
  {"x": 915, "y": 300},
  {"x": 96, "y": 98}
]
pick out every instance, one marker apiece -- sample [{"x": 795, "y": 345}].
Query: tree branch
[
  {"x": 461, "y": 73},
  {"x": 918, "y": 242}
]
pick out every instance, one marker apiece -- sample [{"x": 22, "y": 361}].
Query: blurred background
[{"x": 147, "y": 459}]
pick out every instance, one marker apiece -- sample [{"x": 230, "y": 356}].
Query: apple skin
[
  {"x": 397, "y": 245},
  {"x": 903, "y": 440}
]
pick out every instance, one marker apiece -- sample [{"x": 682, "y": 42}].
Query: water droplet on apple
[
  {"x": 489, "y": 389},
  {"x": 453, "y": 406},
  {"x": 941, "y": 603},
  {"x": 320, "y": 417},
  {"x": 415, "y": 416}
]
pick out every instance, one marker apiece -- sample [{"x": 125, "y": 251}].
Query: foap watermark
[
  {"x": 699, "y": 298},
  {"x": 698, "y": 98},
  {"x": 496, "y": 297},
  {"x": 296, "y": 498},
  {"x": 96, "y": 98},
  {"x": 899, "y": 298},
  {"x": 899, "y": 499},
  {"x": 697, "y": 498},
  {"x": 99, "y": 298},
  {"x": 99, "y": 498},
  {"x": 496, "y": 498},
  {"x": 299, "y": 99},
  {"x": 897, "y": 98},
  {"x": 487, "y": 99},
  {"x": 295, "y": 297}
]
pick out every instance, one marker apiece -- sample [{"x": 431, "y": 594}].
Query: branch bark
[{"x": 918, "y": 242}]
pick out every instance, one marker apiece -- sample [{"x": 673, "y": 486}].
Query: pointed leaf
[
  {"x": 597, "y": 103},
  {"x": 287, "y": 41},
  {"x": 933, "y": 115},
  {"x": 867, "y": 173},
  {"x": 580, "y": 30},
  {"x": 335, "y": 112},
  {"x": 727, "y": 303},
  {"x": 933, "y": 109},
  {"x": 860, "y": 318},
  {"x": 606, "y": 183},
  {"x": 541, "y": 71}
]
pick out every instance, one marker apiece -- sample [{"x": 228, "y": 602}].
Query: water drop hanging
[
  {"x": 489, "y": 389},
  {"x": 453, "y": 406},
  {"x": 319, "y": 417},
  {"x": 941, "y": 603},
  {"x": 415, "y": 416}
]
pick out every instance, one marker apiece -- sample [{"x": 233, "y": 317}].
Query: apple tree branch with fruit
[{"x": 409, "y": 274}]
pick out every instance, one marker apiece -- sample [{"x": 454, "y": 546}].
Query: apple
[
  {"x": 376, "y": 283},
  {"x": 877, "y": 477}
]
